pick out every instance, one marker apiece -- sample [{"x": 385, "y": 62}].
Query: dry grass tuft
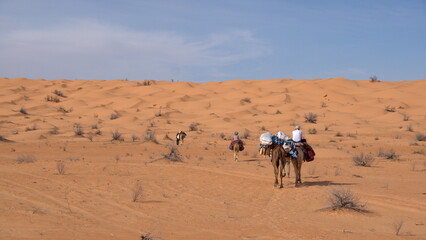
[
  {"x": 312, "y": 131},
  {"x": 60, "y": 166},
  {"x": 420, "y": 137},
  {"x": 311, "y": 117},
  {"x": 363, "y": 159},
  {"x": 389, "y": 154},
  {"x": 137, "y": 192},
  {"x": 23, "y": 111},
  {"x": 193, "y": 126},
  {"x": 78, "y": 129},
  {"x": 173, "y": 154},
  {"x": 397, "y": 225},
  {"x": 26, "y": 158},
  {"x": 116, "y": 135},
  {"x": 54, "y": 99},
  {"x": 150, "y": 136}
]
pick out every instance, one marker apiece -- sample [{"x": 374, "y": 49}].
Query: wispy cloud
[{"x": 90, "y": 49}]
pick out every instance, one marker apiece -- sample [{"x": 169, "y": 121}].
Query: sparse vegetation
[
  {"x": 23, "y": 111},
  {"x": 134, "y": 137},
  {"x": 389, "y": 154},
  {"x": 145, "y": 83},
  {"x": 222, "y": 135},
  {"x": 278, "y": 112},
  {"x": 150, "y": 136},
  {"x": 352, "y": 135},
  {"x": 323, "y": 104},
  {"x": 193, "y": 126},
  {"x": 405, "y": 117},
  {"x": 63, "y": 110},
  {"x": 114, "y": 116},
  {"x": 338, "y": 134},
  {"x": 60, "y": 166},
  {"x": 374, "y": 79},
  {"x": 312, "y": 131},
  {"x": 397, "y": 226},
  {"x": 420, "y": 137},
  {"x": 58, "y": 93},
  {"x": 32, "y": 128},
  {"x": 173, "y": 154},
  {"x": 78, "y": 129},
  {"x": 245, "y": 100},
  {"x": 54, "y": 99},
  {"x": 363, "y": 159},
  {"x": 116, "y": 135},
  {"x": 389, "y": 109},
  {"x": 311, "y": 117},
  {"x": 340, "y": 198},
  {"x": 54, "y": 130},
  {"x": 410, "y": 128},
  {"x": 137, "y": 192},
  {"x": 245, "y": 134},
  {"x": 26, "y": 158}
]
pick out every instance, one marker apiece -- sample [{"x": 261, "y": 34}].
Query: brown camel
[
  {"x": 278, "y": 162},
  {"x": 236, "y": 149},
  {"x": 297, "y": 163}
]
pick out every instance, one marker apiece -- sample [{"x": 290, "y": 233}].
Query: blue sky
[{"x": 200, "y": 41}]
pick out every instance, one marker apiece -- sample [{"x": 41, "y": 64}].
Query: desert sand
[{"x": 207, "y": 195}]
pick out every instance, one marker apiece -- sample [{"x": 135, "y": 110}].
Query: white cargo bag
[{"x": 266, "y": 138}]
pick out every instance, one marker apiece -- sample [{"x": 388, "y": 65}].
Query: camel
[
  {"x": 278, "y": 162},
  {"x": 236, "y": 149},
  {"x": 179, "y": 137},
  {"x": 297, "y": 163}
]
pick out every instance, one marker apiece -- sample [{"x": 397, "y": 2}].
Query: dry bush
[
  {"x": 278, "y": 112},
  {"x": 146, "y": 83},
  {"x": 419, "y": 152},
  {"x": 389, "y": 154},
  {"x": 397, "y": 225},
  {"x": 311, "y": 117},
  {"x": 23, "y": 111},
  {"x": 33, "y": 128},
  {"x": 114, "y": 116},
  {"x": 95, "y": 126},
  {"x": 116, "y": 135},
  {"x": 363, "y": 159},
  {"x": 3, "y": 139},
  {"x": 54, "y": 99},
  {"x": 245, "y": 100},
  {"x": 54, "y": 130},
  {"x": 405, "y": 117},
  {"x": 389, "y": 109},
  {"x": 338, "y": 134},
  {"x": 137, "y": 192},
  {"x": 420, "y": 137},
  {"x": 340, "y": 198},
  {"x": 134, "y": 137},
  {"x": 374, "y": 79},
  {"x": 147, "y": 237},
  {"x": 352, "y": 135},
  {"x": 150, "y": 136},
  {"x": 173, "y": 154},
  {"x": 193, "y": 126},
  {"x": 245, "y": 134},
  {"x": 222, "y": 135},
  {"x": 98, "y": 132},
  {"x": 60, "y": 166},
  {"x": 26, "y": 158},
  {"x": 78, "y": 129},
  {"x": 58, "y": 93},
  {"x": 312, "y": 131},
  {"x": 410, "y": 128},
  {"x": 323, "y": 104},
  {"x": 63, "y": 110}
]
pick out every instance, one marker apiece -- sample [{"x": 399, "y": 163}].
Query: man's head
[{"x": 298, "y": 127}]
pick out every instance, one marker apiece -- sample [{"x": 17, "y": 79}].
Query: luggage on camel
[
  {"x": 309, "y": 153},
  {"x": 231, "y": 146},
  {"x": 266, "y": 139}
]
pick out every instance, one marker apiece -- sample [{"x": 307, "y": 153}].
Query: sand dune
[{"x": 208, "y": 195}]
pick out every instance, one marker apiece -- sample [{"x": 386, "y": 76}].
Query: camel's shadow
[{"x": 323, "y": 183}]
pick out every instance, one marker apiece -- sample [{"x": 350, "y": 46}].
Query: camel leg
[
  {"x": 296, "y": 172},
  {"x": 281, "y": 172},
  {"x": 275, "y": 174},
  {"x": 287, "y": 168}
]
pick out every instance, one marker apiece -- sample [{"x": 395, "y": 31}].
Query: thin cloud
[{"x": 89, "y": 49}]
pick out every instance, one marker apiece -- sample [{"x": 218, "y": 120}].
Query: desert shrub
[
  {"x": 222, "y": 135},
  {"x": 54, "y": 130},
  {"x": 263, "y": 128},
  {"x": 362, "y": 159},
  {"x": 54, "y": 99},
  {"x": 389, "y": 109},
  {"x": 420, "y": 137},
  {"x": 278, "y": 112},
  {"x": 63, "y": 110},
  {"x": 98, "y": 132},
  {"x": 374, "y": 79},
  {"x": 95, "y": 126},
  {"x": 397, "y": 225},
  {"x": 78, "y": 129},
  {"x": 114, "y": 116},
  {"x": 150, "y": 136},
  {"x": 116, "y": 135},
  {"x": 173, "y": 154},
  {"x": 23, "y": 111},
  {"x": 134, "y": 137},
  {"x": 60, "y": 166},
  {"x": 3, "y": 139},
  {"x": 26, "y": 158},
  {"x": 32, "y": 128},
  {"x": 137, "y": 192},
  {"x": 340, "y": 198},
  {"x": 389, "y": 154},
  {"x": 410, "y": 128},
  {"x": 338, "y": 134},
  {"x": 245, "y": 134},
  {"x": 419, "y": 152},
  {"x": 405, "y": 117},
  {"x": 323, "y": 104},
  {"x": 147, "y": 237},
  {"x": 352, "y": 135},
  {"x": 193, "y": 126},
  {"x": 58, "y": 93},
  {"x": 311, "y": 117},
  {"x": 312, "y": 131},
  {"x": 245, "y": 100}
]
